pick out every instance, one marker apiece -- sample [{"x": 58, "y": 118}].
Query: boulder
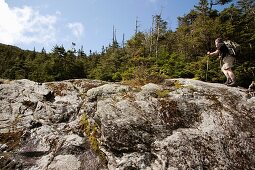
[
  {"x": 194, "y": 125},
  {"x": 40, "y": 125},
  {"x": 89, "y": 124}
]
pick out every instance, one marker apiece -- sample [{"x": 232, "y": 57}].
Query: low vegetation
[{"x": 92, "y": 132}]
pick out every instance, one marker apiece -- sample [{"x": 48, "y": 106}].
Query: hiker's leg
[
  {"x": 231, "y": 74},
  {"x": 225, "y": 72},
  {"x": 228, "y": 64},
  {"x": 232, "y": 77}
]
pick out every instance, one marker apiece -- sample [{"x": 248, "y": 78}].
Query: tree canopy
[{"x": 150, "y": 56}]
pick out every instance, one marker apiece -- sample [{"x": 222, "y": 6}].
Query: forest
[{"x": 150, "y": 56}]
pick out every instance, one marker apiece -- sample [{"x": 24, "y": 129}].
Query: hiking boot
[
  {"x": 232, "y": 84},
  {"x": 229, "y": 81}
]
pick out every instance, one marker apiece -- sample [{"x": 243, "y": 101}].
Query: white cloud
[
  {"x": 76, "y": 28},
  {"x": 58, "y": 13},
  {"x": 25, "y": 25}
]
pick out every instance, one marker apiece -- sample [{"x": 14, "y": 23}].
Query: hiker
[
  {"x": 228, "y": 60},
  {"x": 251, "y": 89}
]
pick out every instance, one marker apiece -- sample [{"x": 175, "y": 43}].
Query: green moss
[
  {"x": 93, "y": 138},
  {"x": 177, "y": 84},
  {"x": 92, "y": 131},
  {"x": 196, "y": 78},
  {"x": 162, "y": 93},
  {"x": 86, "y": 124}
]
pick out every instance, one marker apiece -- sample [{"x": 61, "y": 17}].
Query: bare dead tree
[
  {"x": 123, "y": 40},
  {"x": 113, "y": 35},
  {"x": 114, "y": 39},
  {"x": 151, "y": 34},
  {"x": 136, "y": 25}
]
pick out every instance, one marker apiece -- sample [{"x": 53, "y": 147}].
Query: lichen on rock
[{"x": 73, "y": 124}]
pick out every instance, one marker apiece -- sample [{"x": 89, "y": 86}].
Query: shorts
[{"x": 228, "y": 62}]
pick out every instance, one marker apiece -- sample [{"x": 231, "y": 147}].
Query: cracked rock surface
[{"x": 178, "y": 124}]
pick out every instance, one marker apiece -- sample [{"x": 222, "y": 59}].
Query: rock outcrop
[{"x": 85, "y": 124}]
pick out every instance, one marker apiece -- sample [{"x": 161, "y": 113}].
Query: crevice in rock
[{"x": 49, "y": 96}]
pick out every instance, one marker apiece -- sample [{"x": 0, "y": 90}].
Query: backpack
[{"x": 233, "y": 47}]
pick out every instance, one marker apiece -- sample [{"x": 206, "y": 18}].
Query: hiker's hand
[{"x": 208, "y": 53}]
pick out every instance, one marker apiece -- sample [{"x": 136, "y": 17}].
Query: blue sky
[{"x": 88, "y": 23}]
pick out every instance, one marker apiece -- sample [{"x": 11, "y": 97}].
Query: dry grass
[{"x": 4, "y": 81}]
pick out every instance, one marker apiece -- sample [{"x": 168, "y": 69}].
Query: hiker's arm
[{"x": 213, "y": 53}]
